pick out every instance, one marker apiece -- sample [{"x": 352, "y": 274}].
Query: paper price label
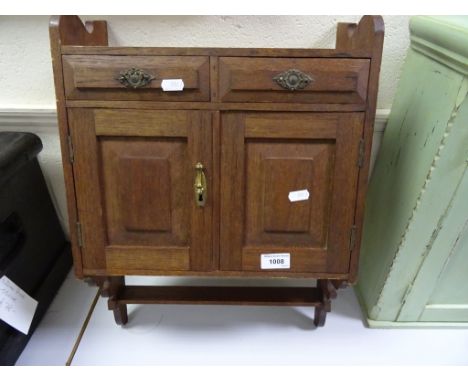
[
  {"x": 172, "y": 85},
  {"x": 297, "y": 196},
  {"x": 275, "y": 261}
]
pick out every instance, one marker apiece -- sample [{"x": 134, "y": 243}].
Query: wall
[{"x": 27, "y": 83}]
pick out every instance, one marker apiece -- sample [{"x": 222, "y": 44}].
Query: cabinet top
[{"x": 361, "y": 40}]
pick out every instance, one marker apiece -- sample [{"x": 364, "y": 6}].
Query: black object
[{"x": 34, "y": 252}]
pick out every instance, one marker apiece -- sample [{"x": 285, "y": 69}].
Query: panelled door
[
  {"x": 143, "y": 189},
  {"x": 288, "y": 185}
]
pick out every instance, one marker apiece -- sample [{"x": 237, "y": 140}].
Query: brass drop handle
[
  {"x": 293, "y": 79},
  {"x": 200, "y": 185},
  {"x": 135, "y": 78}
]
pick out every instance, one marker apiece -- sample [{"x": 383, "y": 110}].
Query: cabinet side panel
[
  {"x": 345, "y": 179},
  {"x": 88, "y": 188}
]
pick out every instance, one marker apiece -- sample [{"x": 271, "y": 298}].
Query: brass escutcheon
[
  {"x": 293, "y": 79},
  {"x": 135, "y": 78},
  {"x": 200, "y": 185}
]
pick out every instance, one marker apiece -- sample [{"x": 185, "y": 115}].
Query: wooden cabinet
[{"x": 254, "y": 163}]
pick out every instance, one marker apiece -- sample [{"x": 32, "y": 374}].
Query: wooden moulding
[
  {"x": 213, "y": 106},
  {"x": 215, "y": 273},
  {"x": 224, "y": 52}
]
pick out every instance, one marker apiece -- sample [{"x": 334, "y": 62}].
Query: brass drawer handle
[
  {"x": 200, "y": 185},
  {"x": 135, "y": 78},
  {"x": 293, "y": 79}
]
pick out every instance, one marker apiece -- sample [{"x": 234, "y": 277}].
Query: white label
[
  {"x": 173, "y": 85},
  {"x": 16, "y": 307},
  {"x": 297, "y": 196},
  {"x": 275, "y": 261}
]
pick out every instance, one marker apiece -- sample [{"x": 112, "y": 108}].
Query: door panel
[
  {"x": 269, "y": 158},
  {"x": 141, "y": 214},
  {"x": 274, "y": 169},
  {"x": 141, "y": 211},
  {"x": 146, "y": 184}
]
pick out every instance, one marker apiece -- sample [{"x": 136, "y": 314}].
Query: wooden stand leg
[
  {"x": 112, "y": 287},
  {"x": 120, "y": 314},
  {"x": 320, "y": 316},
  {"x": 327, "y": 288}
]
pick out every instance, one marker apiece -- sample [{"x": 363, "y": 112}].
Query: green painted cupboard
[{"x": 414, "y": 254}]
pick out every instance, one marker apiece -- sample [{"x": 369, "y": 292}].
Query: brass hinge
[
  {"x": 352, "y": 238},
  {"x": 360, "y": 161},
  {"x": 71, "y": 154},
  {"x": 79, "y": 234}
]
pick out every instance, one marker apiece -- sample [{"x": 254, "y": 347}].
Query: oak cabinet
[{"x": 216, "y": 162}]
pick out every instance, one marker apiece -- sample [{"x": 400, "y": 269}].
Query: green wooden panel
[
  {"x": 411, "y": 223},
  {"x": 411, "y": 140},
  {"x": 452, "y": 286},
  {"x": 439, "y": 280}
]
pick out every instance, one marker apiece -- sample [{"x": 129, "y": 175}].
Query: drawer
[
  {"x": 301, "y": 80},
  {"x": 100, "y": 77}
]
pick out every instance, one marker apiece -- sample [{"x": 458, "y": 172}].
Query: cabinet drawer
[
  {"x": 95, "y": 77},
  {"x": 302, "y": 80}
]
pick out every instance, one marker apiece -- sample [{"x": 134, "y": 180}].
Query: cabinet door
[
  {"x": 134, "y": 176},
  {"x": 288, "y": 186}
]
